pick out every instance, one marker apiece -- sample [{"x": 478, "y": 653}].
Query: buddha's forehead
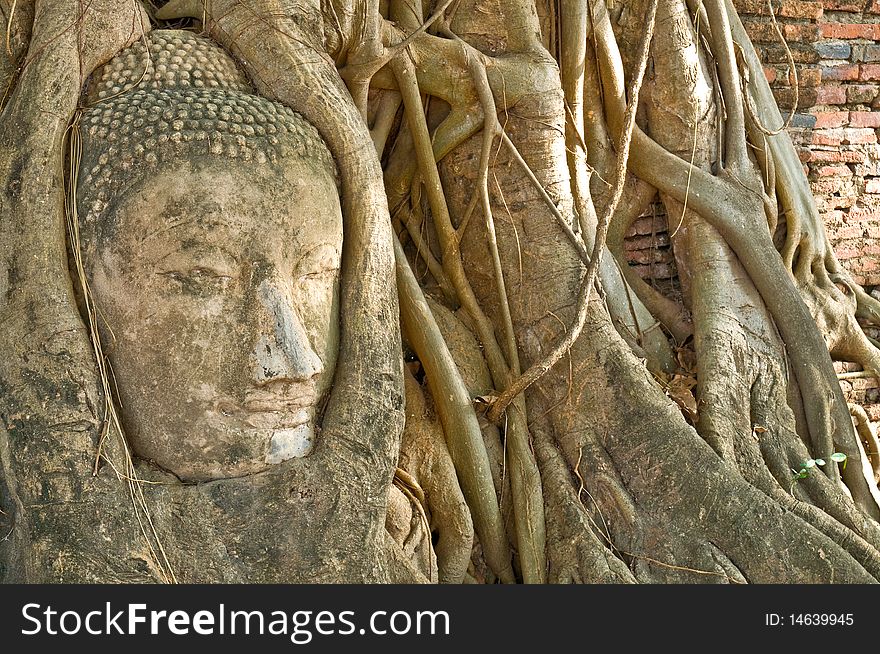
[{"x": 293, "y": 201}]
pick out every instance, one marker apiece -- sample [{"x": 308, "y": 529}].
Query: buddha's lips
[
  {"x": 265, "y": 410},
  {"x": 283, "y": 419},
  {"x": 278, "y": 404}
]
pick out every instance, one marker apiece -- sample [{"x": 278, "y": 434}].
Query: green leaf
[
  {"x": 838, "y": 456},
  {"x": 809, "y": 463},
  {"x": 820, "y": 462}
]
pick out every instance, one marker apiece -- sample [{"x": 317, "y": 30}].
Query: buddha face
[{"x": 218, "y": 294}]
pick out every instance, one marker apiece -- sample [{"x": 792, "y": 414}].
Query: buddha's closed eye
[{"x": 198, "y": 278}]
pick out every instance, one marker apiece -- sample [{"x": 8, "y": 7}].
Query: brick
[
  {"x": 846, "y": 366},
  {"x": 843, "y": 5},
  {"x": 864, "y": 383},
  {"x": 828, "y": 137},
  {"x": 846, "y": 252},
  {"x": 833, "y": 216},
  {"x": 865, "y": 167},
  {"x": 762, "y": 31},
  {"x": 861, "y": 93},
  {"x": 866, "y": 53},
  {"x": 832, "y": 94},
  {"x": 831, "y": 119},
  {"x": 800, "y": 9},
  {"x": 872, "y": 185},
  {"x": 841, "y": 202},
  {"x": 869, "y": 72},
  {"x": 788, "y": 9},
  {"x": 800, "y": 32},
  {"x": 833, "y": 50},
  {"x": 841, "y": 73},
  {"x": 851, "y": 231},
  {"x": 780, "y": 75},
  {"x": 648, "y": 242},
  {"x": 862, "y": 214},
  {"x": 838, "y": 156},
  {"x": 774, "y": 53},
  {"x": 826, "y": 186},
  {"x": 835, "y": 156},
  {"x": 867, "y": 31},
  {"x": 655, "y": 271},
  {"x": 864, "y": 118},
  {"x": 807, "y": 77},
  {"x": 858, "y": 136},
  {"x": 785, "y": 98},
  {"x": 834, "y": 171},
  {"x": 647, "y": 225},
  {"x": 803, "y": 120},
  {"x": 873, "y": 8},
  {"x": 658, "y": 255}
]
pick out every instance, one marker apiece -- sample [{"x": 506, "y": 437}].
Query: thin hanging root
[
  {"x": 793, "y": 79},
  {"x": 526, "y": 487},
  {"x": 573, "y": 238},
  {"x": 491, "y": 129},
  {"x": 424, "y": 251},
  {"x": 9, "y": 28},
  {"x": 538, "y": 370},
  {"x": 370, "y": 55}
]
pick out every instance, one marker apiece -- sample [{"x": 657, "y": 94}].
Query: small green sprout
[{"x": 804, "y": 472}]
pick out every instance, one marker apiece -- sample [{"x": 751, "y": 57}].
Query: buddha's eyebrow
[
  {"x": 312, "y": 252},
  {"x": 167, "y": 227},
  {"x": 198, "y": 250}
]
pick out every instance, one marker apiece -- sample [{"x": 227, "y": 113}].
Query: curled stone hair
[{"x": 178, "y": 94}]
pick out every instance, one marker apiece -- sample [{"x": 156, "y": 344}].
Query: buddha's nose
[{"x": 282, "y": 350}]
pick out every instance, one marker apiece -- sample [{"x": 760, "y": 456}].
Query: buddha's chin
[
  {"x": 291, "y": 443},
  {"x": 231, "y": 450}
]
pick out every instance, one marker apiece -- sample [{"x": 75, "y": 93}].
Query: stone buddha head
[{"x": 211, "y": 233}]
